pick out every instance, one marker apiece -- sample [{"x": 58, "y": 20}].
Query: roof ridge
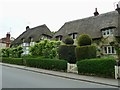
[
  {"x": 38, "y": 26},
  {"x": 89, "y": 17}
]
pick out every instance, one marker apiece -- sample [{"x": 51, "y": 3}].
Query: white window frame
[
  {"x": 108, "y": 32},
  {"x": 25, "y": 50},
  {"x": 32, "y": 43},
  {"x": 73, "y": 35},
  {"x": 109, "y": 48}
]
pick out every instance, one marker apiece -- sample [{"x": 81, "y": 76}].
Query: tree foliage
[
  {"x": 12, "y": 52},
  {"x": 46, "y": 48}
]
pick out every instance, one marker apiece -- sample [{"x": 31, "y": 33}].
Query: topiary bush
[
  {"x": 67, "y": 52},
  {"x": 50, "y": 64},
  {"x": 69, "y": 40},
  {"x": 99, "y": 66},
  {"x": 84, "y": 40},
  {"x": 85, "y": 52}
]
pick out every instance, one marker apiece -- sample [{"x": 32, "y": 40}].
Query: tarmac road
[{"x": 17, "y": 78}]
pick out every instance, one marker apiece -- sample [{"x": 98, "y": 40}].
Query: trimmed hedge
[
  {"x": 84, "y": 40},
  {"x": 69, "y": 40},
  {"x": 50, "y": 64},
  {"x": 100, "y": 67},
  {"x": 67, "y": 52},
  {"x": 18, "y": 61},
  {"x": 85, "y": 52}
]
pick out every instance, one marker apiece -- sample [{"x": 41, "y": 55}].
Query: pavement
[{"x": 91, "y": 79}]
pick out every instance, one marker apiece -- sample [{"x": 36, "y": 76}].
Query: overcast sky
[{"x": 15, "y": 15}]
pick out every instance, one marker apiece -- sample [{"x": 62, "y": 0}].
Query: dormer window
[
  {"x": 31, "y": 39},
  {"x": 108, "y": 32},
  {"x": 59, "y": 38},
  {"x": 73, "y": 35},
  {"x": 23, "y": 40},
  {"x": 45, "y": 37}
]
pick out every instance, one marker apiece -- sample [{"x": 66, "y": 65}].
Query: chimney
[
  {"x": 8, "y": 39},
  {"x": 118, "y": 9},
  {"x": 96, "y": 12},
  {"x": 27, "y": 28}
]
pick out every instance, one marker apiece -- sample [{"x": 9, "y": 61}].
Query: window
[
  {"x": 45, "y": 37},
  {"x": 108, "y": 32},
  {"x": 59, "y": 38},
  {"x": 73, "y": 35},
  {"x": 32, "y": 43},
  {"x": 109, "y": 50},
  {"x": 25, "y": 50}
]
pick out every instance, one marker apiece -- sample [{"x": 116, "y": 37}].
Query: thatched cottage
[
  {"x": 31, "y": 36},
  {"x": 103, "y": 28}
]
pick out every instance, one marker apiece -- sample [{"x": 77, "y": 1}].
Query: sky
[{"x": 15, "y": 15}]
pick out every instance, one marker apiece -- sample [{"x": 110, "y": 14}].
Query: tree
[
  {"x": 5, "y": 52},
  {"x": 45, "y": 48},
  {"x": 12, "y": 52}
]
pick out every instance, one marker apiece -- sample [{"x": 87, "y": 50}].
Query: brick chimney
[
  {"x": 8, "y": 39},
  {"x": 96, "y": 12},
  {"x": 27, "y": 27},
  {"x": 118, "y": 9}
]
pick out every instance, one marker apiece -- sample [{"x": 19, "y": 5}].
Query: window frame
[
  {"x": 109, "y": 50},
  {"x": 108, "y": 31},
  {"x": 73, "y": 35}
]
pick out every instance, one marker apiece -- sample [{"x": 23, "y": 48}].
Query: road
[{"x": 17, "y": 78}]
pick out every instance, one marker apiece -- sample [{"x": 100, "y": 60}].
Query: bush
[
  {"x": 69, "y": 40},
  {"x": 85, "y": 52},
  {"x": 50, "y": 64},
  {"x": 5, "y": 52},
  {"x": 12, "y": 52},
  {"x": 67, "y": 52},
  {"x": 18, "y": 61},
  {"x": 84, "y": 40},
  {"x": 45, "y": 48},
  {"x": 101, "y": 67}
]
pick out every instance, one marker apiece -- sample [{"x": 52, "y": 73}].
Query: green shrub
[
  {"x": 5, "y": 52},
  {"x": 101, "y": 67},
  {"x": 69, "y": 40},
  {"x": 50, "y": 64},
  {"x": 85, "y": 52},
  {"x": 45, "y": 48},
  {"x": 18, "y": 61},
  {"x": 84, "y": 40},
  {"x": 67, "y": 52}
]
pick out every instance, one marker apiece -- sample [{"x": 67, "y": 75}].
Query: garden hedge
[
  {"x": 84, "y": 40},
  {"x": 69, "y": 40},
  {"x": 67, "y": 52},
  {"x": 85, "y": 52},
  {"x": 100, "y": 67},
  {"x": 18, "y": 61},
  {"x": 50, "y": 64}
]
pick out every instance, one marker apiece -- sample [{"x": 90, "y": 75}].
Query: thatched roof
[
  {"x": 91, "y": 25},
  {"x": 34, "y": 33}
]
